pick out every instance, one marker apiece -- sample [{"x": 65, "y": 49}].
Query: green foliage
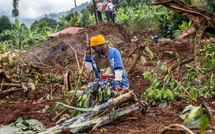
[
  {"x": 15, "y": 11},
  {"x": 19, "y": 37},
  {"x": 123, "y": 4},
  {"x": 164, "y": 88},
  {"x": 24, "y": 26},
  {"x": 135, "y": 2},
  {"x": 85, "y": 18},
  {"x": 5, "y": 23},
  {"x": 176, "y": 20},
  {"x": 114, "y": 113},
  {"x": 187, "y": 1},
  {"x": 44, "y": 22},
  {"x": 82, "y": 101},
  {"x": 103, "y": 129},
  {"x": 196, "y": 117},
  {"x": 89, "y": 8},
  {"x": 210, "y": 5},
  {"x": 4, "y": 46},
  {"x": 23, "y": 126},
  {"x": 184, "y": 26}
]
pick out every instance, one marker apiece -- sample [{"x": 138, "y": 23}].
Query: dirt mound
[{"x": 58, "y": 50}]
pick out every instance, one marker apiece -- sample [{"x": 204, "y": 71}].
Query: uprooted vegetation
[{"x": 30, "y": 88}]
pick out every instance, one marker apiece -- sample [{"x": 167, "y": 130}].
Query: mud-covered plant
[
  {"x": 114, "y": 113},
  {"x": 74, "y": 78},
  {"x": 99, "y": 97},
  {"x": 160, "y": 89},
  {"x": 82, "y": 100},
  {"x": 184, "y": 26},
  {"x": 7, "y": 59},
  {"x": 198, "y": 116},
  {"x": 4, "y": 46},
  {"x": 165, "y": 88}
]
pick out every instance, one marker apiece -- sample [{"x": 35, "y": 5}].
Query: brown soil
[{"x": 56, "y": 50}]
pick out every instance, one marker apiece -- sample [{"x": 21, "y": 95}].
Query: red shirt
[{"x": 106, "y": 6}]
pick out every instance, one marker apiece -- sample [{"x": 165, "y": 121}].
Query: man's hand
[{"x": 88, "y": 49}]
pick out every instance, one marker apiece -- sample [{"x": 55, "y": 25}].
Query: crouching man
[{"x": 108, "y": 67}]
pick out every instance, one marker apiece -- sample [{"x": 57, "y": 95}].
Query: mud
[{"x": 56, "y": 51}]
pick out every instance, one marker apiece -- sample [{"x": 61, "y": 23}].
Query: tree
[
  {"x": 85, "y": 18},
  {"x": 24, "y": 26},
  {"x": 15, "y": 11},
  {"x": 210, "y": 5},
  {"x": 135, "y": 2},
  {"x": 89, "y": 8},
  {"x": 123, "y": 3},
  {"x": 72, "y": 15},
  {"x": 50, "y": 22},
  {"x": 5, "y": 23}
]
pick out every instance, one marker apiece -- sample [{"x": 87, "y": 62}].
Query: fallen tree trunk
[
  {"x": 194, "y": 13},
  {"x": 12, "y": 84},
  {"x": 91, "y": 112},
  {"x": 85, "y": 126},
  {"x": 94, "y": 123},
  {"x": 11, "y": 90},
  {"x": 203, "y": 19}
]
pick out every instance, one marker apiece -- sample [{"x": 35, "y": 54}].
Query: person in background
[
  {"x": 99, "y": 11},
  {"x": 111, "y": 10},
  {"x": 106, "y": 12},
  {"x": 108, "y": 63}
]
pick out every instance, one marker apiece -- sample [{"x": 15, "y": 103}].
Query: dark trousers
[
  {"x": 99, "y": 15},
  {"x": 111, "y": 16},
  {"x": 108, "y": 19}
]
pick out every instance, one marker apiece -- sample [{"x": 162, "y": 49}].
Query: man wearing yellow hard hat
[{"x": 108, "y": 66}]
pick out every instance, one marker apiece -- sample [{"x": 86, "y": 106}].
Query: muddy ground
[{"x": 56, "y": 51}]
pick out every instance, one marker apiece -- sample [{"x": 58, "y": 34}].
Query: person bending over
[{"x": 108, "y": 67}]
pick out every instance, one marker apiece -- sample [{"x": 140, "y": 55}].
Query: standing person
[
  {"x": 108, "y": 62},
  {"x": 111, "y": 10},
  {"x": 106, "y": 12},
  {"x": 99, "y": 11}
]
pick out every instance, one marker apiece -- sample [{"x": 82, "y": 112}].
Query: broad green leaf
[
  {"x": 158, "y": 63},
  {"x": 143, "y": 60},
  {"x": 19, "y": 120},
  {"x": 193, "y": 113},
  {"x": 108, "y": 91},
  {"x": 63, "y": 106},
  {"x": 165, "y": 94},
  {"x": 100, "y": 97},
  {"x": 204, "y": 123},
  {"x": 177, "y": 69},
  {"x": 207, "y": 110},
  {"x": 10, "y": 129},
  {"x": 187, "y": 108},
  {"x": 170, "y": 94},
  {"x": 162, "y": 105},
  {"x": 150, "y": 54}
]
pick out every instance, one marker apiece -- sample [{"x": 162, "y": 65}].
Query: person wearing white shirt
[
  {"x": 99, "y": 11},
  {"x": 111, "y": 11}
]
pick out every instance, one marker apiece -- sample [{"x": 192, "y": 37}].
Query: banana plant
[
  {"x": 125, "y": 18},
  {"x": 3, "y": 46}
]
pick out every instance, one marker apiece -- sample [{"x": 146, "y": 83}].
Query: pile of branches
[{"x": 98, "y": 115}]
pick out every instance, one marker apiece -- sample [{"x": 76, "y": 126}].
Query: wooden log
[
  {"x": 101, "y": 121},
  {"x": 12, "y": 84},
  {"x": 66, "y": 81},
  {"x": 11, "y": 90},
  {"x": 92, "y": 112},
  {"x": 82, "y": 127}
]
